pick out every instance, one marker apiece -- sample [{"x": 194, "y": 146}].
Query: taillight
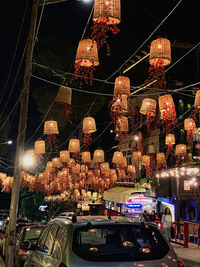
[
  {"x": 62, "y": 265},
  {"x": 181, "y": 264},
  {"x": 23, "y": 251}
]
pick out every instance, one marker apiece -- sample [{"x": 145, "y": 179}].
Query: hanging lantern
[
  {"x": 180, "y": 152},
  {"x": 169, "y": 141},
  {"x": 86, "y": 60},
  {"x": 74, "y": 146},
  {"x": 107, "y": 14},
  {"x": 98, "y": 156},
  {"x": 105, "y": 167},
  {"x": 190, "y": 126},
  {"x": 151, "y": 149},
  {"x": 64, "y": 98},
  {"x": 131, "y": 169},
  {"x": 146, "y": 163},
  {"x": 122, "y": 124},
  {"x": 56, "y": 163},
  {"x": 168, "y": 112},
  {"x": 148, "y": 108},
  {"x": 118, "y": 158},
  {"x": 76, "y": 169},
  {"x": 122, "y": 86},
  {"x": 160, "y": 52},
  {"x": 136, "y": 156},
  {"x": 131, "y": 172},
  {"x": 124, "y": 164},
  {"x": 161, "y": 161},
  {"x": 86, "y": 157},
  {"x": 64, "y": 155},
  {"x": 49, "y": 166},
  {"x": 197, "y": 100},
  {"x": 120, "y": 104},
  {"x": 40, "y": 147},
  {"x": 89, "y": 127},
  {"x": 50, "y": 130}
]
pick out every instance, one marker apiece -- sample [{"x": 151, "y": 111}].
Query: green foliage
[{"x": 29, "y": 205}]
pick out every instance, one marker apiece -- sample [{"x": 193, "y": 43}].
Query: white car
[{"x": 99, "y": 241}]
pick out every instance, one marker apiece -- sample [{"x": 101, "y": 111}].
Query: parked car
[
  {"x": 20, "y": 222},
  {"x": 27, "y": 238},
  {"x": 70, "y": 241}
]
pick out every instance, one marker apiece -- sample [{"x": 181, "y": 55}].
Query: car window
[
  {"x": 32, "y": 233},
  {"x": 119, "y": 243},
  {"x": 48, "y": 245},
  {"x": 43, "y": 237},
  {"x": 59, "y": 244}
]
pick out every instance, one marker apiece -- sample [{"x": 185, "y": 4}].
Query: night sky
[{"x": 67, "y": 20}]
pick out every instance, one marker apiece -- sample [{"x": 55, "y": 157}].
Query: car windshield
[
  {"x": 32, "y": 233},
  {"x": 119, "y": 243}
]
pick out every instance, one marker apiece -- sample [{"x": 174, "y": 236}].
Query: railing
[{"x": 187, "y": 232}]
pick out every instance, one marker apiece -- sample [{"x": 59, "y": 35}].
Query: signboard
[
  {"x": 134, "y": 206},
  {"x": 141, "y": 200}
]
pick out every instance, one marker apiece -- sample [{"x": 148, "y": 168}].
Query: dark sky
[{"x": 139, "y": 18}]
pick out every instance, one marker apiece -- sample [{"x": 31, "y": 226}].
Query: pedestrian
[
  {"x": 167, "y": 223},
  {"x": 153, "y": 216}
]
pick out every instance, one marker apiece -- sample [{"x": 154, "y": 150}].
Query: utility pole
[{"x": 11, "y": 238}]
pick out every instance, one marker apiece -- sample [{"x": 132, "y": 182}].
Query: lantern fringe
[
  {"x": 86, "y": 141},
  {"x": 99, "y": 33},
  {"x": 85, "y": 73},
  {"x": 190, "y": 139},
  {"x": 167, "y": 123},
  {"x": 65, "y": 111},
  {"x": 147, "y": 171},
  {"x": 51, "y": 141},
  {"x": 157, "y": 72},
  {"x": 170, "y": 150}
]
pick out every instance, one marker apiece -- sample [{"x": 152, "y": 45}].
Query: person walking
[{"x": 167, "y": 222}]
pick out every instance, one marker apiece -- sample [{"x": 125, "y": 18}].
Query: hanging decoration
[
  {"x": 167, "y": 112},
  {"x": 98, "y": 156},
  {"x": 74, "y": 147},
  {"x": 107, "y": 14},
  {"x": 64, "y": 156},
  {"x": 148, "y": 108},
  {"x": 169, "y": 141},
  {"x": 121, "y": 128},
  {"x": 89, "y": 127},
  {"x": 64, "y": 98},
  {"x": 160, "y": 56},
  {"x": 189, "y": 126},
  {"x": 181, "y": 153},
  {"x": 86, "y": 60},
  {"x": 51, "y": 130},
  {"x": 39, "y": 150},
  {"x": 146, "y": 163},
  {"x": 161, "y": 161}
]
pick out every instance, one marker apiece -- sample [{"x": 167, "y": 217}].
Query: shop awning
[{"x": 122, "y": 194}]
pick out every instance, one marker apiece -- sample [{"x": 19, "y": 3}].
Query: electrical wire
[{"x": 145, "y": 40}]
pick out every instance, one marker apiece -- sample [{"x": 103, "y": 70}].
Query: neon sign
[
  {"x": 134, "y": 206},
  {"x": 141, "y": 200}
]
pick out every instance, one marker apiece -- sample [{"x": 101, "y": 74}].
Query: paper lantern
[
  {"x": 121, "y": 104},
  {"x": 136, "y": 156},
  {"x": 151, "y": 149},
  {"x": 181, "y": 149},
  {"x": 56, "y": 163},
  {"x": 160, "y": 52},
  {"x": 49, "y": 166},
  {"x": 51, "y": 127},
  {"x": 98, "y": 156},
  {"x": 197, "y": 100},
  {"x": 76, "y": 169},
  {"x": 167, "y": 107},
  {"x": 160, "y": 157},
  {"x": 148, "y": 107},
  {"x": 74, "y": 145},
  {"x": 107, "y": 11},
  {"x": 40, "y": 147},
  {"x": 89, "y": 125},
  {"x": 64, "y": 155},
  {"x": 124, "y": 164},
  {"x": 122, "y": 124},
  {"x": 170, "y": 139},
  {"x": 118, "y": 158},
  {"x": 122, "y": 86},
  {"x": 105, "y": 167},
  {"x": 86, "y": 157},
  {"x": 145, "y": 160},
  {"x": 64, "y": 95},
  {"x": 189, "y": 124},
  {"x": 131, "y": 169},
  {"x": 87, "y": 54}
]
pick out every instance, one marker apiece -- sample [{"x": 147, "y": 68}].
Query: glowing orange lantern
[
  {"x": 56, "y": 163},
  {"x": 117, "y": 158},
  {"x": 168, "y": 112},
  {"x": 86, "y": 157},
  {"x": 89, "y": 125},
  {"x": 40, "y": 147},
  {"x": 64, "y": 155},
  {"x": 98, "y": 156},
  {"x": 122, "y": 86},
  {"x": 49, "y": 166},
  {"x": 161, "y": 160},
  {"x": 169, "y": 141},
  {"x": 136, "y": 156},
  {"x": 105, "y": 167},
  {"x": 131, "y": 168},
  {"x": 122, "y": 124},
  {"x": 197, "y": 100},
  {"x": 64, "y": 95},
  {"x": 148, "y": 108},
  {"x": 74, "y": 145},
  {"x": 160, "y": 52},
  {"x": 146, "y": 163},
  {"x": 51, "y": 127},
  {"x": 181, "y": 149},
  {"x": 190, "y": 126}
]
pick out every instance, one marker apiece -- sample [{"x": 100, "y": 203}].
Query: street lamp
[{"x": 9, "y": 142}]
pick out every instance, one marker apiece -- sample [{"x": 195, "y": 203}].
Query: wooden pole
[{"x": 11, "y": 238}]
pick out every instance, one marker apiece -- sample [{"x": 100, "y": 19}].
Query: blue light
[
  {"x": 180, "y": 101},
  {"x": 134, "y": 206}
]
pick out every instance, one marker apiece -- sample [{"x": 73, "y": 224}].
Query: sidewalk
[
  {"x": 190, "y": 255},
  {"x": 2, "y": 263}
]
